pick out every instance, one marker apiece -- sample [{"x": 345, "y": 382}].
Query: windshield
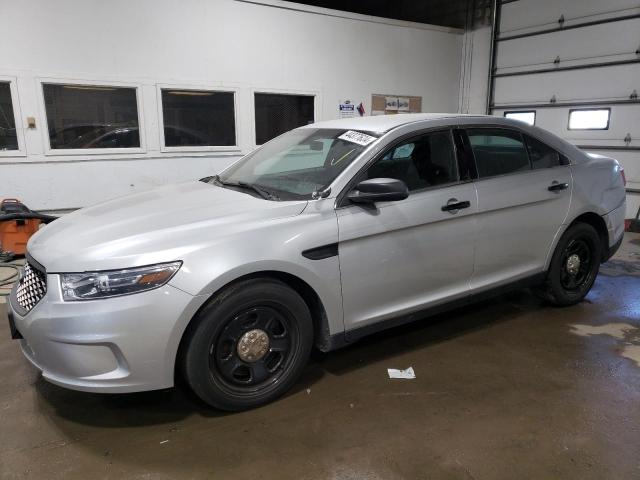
[{"x": 297, "y": 164}]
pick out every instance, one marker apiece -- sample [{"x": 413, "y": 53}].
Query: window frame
[
  {"x": 535, "y": 115},
  {"x": 586, "y": 109},
  {"x": 17, "y": 118},
  {"x": 464, "y": 131},
  {"x": 198, "y": 88},
  {"x": 317, "y": 104},
  {"x": 342, "y": 200},
  {"x": 48, "y": 151}
]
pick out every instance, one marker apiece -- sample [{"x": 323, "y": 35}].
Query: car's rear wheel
[
  {"x": 574, "y": 266},
  {"x": 248, "y": 345}
]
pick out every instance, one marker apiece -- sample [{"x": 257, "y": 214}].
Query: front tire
[
  {"x": 248, "y": 345},
  {"x": 574, "y": 266}
]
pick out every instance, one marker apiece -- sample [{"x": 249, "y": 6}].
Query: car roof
[{"x": 384, "y": 123}]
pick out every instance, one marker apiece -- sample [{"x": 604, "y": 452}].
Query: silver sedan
[{"x": 321, "y": 236}]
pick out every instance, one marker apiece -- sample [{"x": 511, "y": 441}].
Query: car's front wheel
[
  {"x": 248, "y": 345},
  {"x": 574, "y": 266}
]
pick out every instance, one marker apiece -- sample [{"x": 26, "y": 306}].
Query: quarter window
[
  {"x": 278, "y": 113},
  {"x": 8, "y": 135},
  {"x": 498, "y": 152},
  {"x": 87, "y": 116},
  {"x": 195, "y": 118},
  {"x": 541, "y": 155},
  {"x": 422, "y": 162}
]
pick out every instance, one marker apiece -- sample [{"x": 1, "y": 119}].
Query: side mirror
[{"x": 379, "y": 190}]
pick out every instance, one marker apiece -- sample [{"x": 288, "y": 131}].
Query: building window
[
  {"x": 526, "y": 117},
  {"x": 8, "y": 133},
  {"x": 198, "y": 118},
  {"x": 589, "y": 119},
  {"x": 87, "y": 116},
  {"x": 279, "y": 113}
]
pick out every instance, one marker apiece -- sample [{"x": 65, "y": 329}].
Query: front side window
[
  {"x": 278, "y": 113},
  {"x": 8, "y": 134},
  {"x": 298, "y": 163},
  {"x": 197, "y": 118},
  {"x": 541, "y": 155},
  {"x": 422, "y": 162},
  {"x": 498, "y": 151},
  {"x": 87, "y": 116}
]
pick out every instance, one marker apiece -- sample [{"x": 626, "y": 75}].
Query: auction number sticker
[{"x": 357, "y": 137}]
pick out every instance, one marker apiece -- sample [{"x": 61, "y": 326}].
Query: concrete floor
[{"x": 505, "y": 389}]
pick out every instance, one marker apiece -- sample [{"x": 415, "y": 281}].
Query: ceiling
[{"x": 448, "y": 13}]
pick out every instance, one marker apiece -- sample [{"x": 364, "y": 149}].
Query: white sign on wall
[{"x": 346, "y": 109}]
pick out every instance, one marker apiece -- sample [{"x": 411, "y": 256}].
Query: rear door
[
  {"x": 524, "y": 191},
  {"x": 399, "y": 257}
]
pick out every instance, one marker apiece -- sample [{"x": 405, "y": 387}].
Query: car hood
[{"x": 159, "y": 225}]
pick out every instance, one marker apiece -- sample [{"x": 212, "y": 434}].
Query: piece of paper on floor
[{"x": 395, "y": 373}]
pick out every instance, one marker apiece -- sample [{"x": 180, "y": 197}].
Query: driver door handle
[
  {"x": 453, "y": 204},
  {"x": 556, "y": 187}
]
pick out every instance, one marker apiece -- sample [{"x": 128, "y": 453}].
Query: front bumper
[{"x": 113, "y": 345}]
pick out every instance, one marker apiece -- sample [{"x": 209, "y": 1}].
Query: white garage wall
[
  {"x": 200, "y": 43},
  {"x": 609, "y": 86}
]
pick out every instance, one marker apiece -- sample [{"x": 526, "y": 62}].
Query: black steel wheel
[
  {"x": 253, "y": 348},
  {"x": 574, "y": 266},
  {"x": 248, "y": 345}
]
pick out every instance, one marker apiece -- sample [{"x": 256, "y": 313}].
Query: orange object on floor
[{"x": 15, "y": 233}]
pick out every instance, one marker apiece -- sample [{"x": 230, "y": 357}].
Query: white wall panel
[{"x": 204, "y": 43}]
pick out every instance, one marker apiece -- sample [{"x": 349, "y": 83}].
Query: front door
[{"x": 399, "y": 257}]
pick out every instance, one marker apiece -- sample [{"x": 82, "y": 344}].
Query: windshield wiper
[{"x": 264, "y": 193}]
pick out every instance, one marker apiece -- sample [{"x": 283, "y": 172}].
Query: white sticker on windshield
[{"x": 357, "y": 137}]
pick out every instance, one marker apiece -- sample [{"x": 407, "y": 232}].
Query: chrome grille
[{"x": 32, "y": 287}]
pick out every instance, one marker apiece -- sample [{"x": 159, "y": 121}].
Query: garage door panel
[
  {"x": 574, "y": 47},
  {"x": 526, "y": 16},
  {"x": 624, "y": 119},
  {"x": 610, "y": 83}
]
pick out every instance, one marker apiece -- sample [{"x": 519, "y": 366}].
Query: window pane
[
  {"x": 498, "y": 152},
  {"x": 421, "y": 162},
  {"x": 541, "y": 155},
  {"x": 589, "y": 119},
  {"x": 198, "y": 118},
  {"x": 83, "y": 116},
  {"x": 526, "y": 117},
  {"x": 276, "y": 114},
  {"x": 8, "y": 136},
  {"x": 297, "y": 163}
]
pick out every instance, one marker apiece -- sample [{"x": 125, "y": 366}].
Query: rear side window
[
  {"x": 498, "y": 151},
  {"x": 542, "y": 156}
]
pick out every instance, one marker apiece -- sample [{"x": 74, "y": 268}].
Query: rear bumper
[
  {"x": 120, "y": 344},
  {"x": 615, "y": 229}
]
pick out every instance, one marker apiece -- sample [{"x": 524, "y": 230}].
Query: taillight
[{"x": 624, "y": 178}]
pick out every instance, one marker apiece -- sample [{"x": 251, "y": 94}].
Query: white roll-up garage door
[{"x": 562, "y": 58}]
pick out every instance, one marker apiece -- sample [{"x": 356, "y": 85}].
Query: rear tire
[
  {"x": 574, "y": 266},
  {"x": 248, "y": 345}
]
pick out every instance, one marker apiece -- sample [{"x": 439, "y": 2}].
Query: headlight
[{"x": 113, "y": 283}]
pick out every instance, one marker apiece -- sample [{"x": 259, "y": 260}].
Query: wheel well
[
  {"x": 321, "y": 332},
  {"x": 599, "y": 225}
]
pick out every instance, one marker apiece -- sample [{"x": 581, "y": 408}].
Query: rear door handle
[
  {"x": 556, "y": 187},
  {"x": 454, "y": 204}
]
